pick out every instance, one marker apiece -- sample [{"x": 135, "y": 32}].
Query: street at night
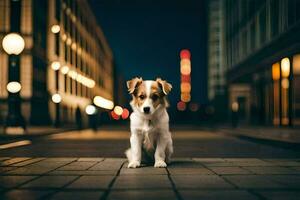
[
  {"x": 150, "y": 99},
  {"x": 208, "y": 164}
]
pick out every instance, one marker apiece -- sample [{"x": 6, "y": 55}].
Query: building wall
[
  {"x": 217, "y": 89},
  {"x": 80, "y": 46},
  {"x": 259, "y": 35}
]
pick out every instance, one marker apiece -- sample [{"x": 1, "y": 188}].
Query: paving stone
[
  {"x": 27, "y": 162},
  {"x": 142, "y": 182},
  {"x": 5, "y": 169},
  {"x": 229, "y": 170},
  {"x": 78, "y": 165},
  {"x": 213, "y": 162},
  {"x": 19, "y": 194},
  {"x": 272, "y": 170},
  {"x": 200, "y": 181},
  {"x": 291, "y": 181},
  {"x": 185, "y": 164},
  {"x": 13, "y": 181},
  {"x": 216, "y": 195},
  {"x": 280, "y": 195},
  {"x": 248, "y": 162},
  {"x": 83, "y": 172},
  {"x": 253, "y": 181},
  {"x": 92, "y": 182},
  {"x": 91, "y": 159},
  {"x": 13, "y": 161},
  {"x": 29, "y": 171},
  {"x": 141, "y": 194},
  {"x": 143, "y": 170},
  {"x": 188, "y": 171},
  {"x": 61, "y": 159},
  {"x": 49, "y": 164},
  {"x": 90, "y": 195},
  {"x": 50, "y": 182},
  {"x": 108, "y": 164}
]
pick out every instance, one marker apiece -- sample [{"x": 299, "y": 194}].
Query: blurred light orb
[
  {"x": 235, "y": 106},
  {"x": 56, "y": 98},
  {"x": 55, "y": 28},
  {"x": 194, "y": 107},
  {"x": 276, "y": 71},
  {"x": 13, "y": 43},
  {"x": 90, "y": 110},
  {"x": 185, "y": 53},
  {"x": 103, "y": 103},
  {"x": 55, "y": 65},
  {"x": 185, "y": 97},
  {"x": 125, "y": 113},
  {"x": 285, "y": 67},
  {"x": 118, "y": 110},
  {"x": 185, "y": 69},
  {"x": 185, "y": 78},
  {"x": 185, "y": 87},
  {"x": 114, "y": 115},
  {"x": 296, "y": 64},
  {"x": 64, "y": 69},
  {"x": 13, "y": 87},
  {"x": 181, "y": 106},
  {"x": 285, "y": 83}
]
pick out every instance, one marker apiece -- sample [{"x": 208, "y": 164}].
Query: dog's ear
[
  {"x": 133, "y": 84},
  {"x": 165, "y": 86}
]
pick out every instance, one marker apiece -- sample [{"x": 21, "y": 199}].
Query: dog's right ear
[{"x": 133, "y": 84}]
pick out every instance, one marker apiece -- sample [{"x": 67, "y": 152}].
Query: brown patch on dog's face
[
  {"x": 156, "y": 95},
  {"x": 140, "y": 95}
]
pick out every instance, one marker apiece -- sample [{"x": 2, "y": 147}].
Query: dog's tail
[{"x": 128, "y": 154}]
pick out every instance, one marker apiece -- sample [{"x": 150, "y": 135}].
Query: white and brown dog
[{"x": 149, "y": 123}]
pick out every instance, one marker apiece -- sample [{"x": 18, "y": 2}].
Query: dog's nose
[{"x": 146, "y": 110}]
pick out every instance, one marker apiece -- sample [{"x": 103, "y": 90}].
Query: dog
[{"x": 150, "y": 138}]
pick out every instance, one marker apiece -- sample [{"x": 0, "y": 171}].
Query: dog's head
[{"x": 148, "y": 96}]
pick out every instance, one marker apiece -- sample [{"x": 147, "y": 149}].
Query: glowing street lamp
[
  {"x": 90, "y": 110},
  {"x": 13, "y": 44},
  {"x": 13, "y": 87},
  {"x": 56, "y": 98},
  {"x": 55, "y": 28}
]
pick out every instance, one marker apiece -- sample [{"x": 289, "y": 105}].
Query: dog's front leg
[
  {"x": 136, "y": 150},
  {"x": 160, "y": 153}
]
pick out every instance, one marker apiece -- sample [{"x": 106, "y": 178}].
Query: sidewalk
[
  {"x": 288, "y": 135},
  {"x": 33, "y": 131},
  {"x": 197, "y": 178}
]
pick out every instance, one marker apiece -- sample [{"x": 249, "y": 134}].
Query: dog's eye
[
  {"x": 154, "y": 97},
  {"x": 142, "y": 97}
]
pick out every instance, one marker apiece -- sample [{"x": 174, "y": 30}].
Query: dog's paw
[
  {"x": 160, "y": 164},
  {"x": 134, "y": 164}
]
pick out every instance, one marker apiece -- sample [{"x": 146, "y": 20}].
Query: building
[
  {"x": 66, "y": 54},
  {"x": 217, "y": 88},
  {"x": 263, "y": 60}
]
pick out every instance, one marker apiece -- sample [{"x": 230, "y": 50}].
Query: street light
[
  {"x": 13, "y": 44},
  {"x": 56, "y": 98}
]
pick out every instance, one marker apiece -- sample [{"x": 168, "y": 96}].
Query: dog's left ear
[{"x": 165, "y": 86}]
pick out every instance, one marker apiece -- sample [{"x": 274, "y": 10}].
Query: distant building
[
  {"x": 60, "y": 35},
  {"x": 263, "y": 60},
  {"x": 216, "y": 60}
]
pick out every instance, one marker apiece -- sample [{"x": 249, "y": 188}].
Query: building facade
[
  {"x": 217, "y": 88},
  {"x": 65, "y": 53},
  {"x": 263, "y": 60}
]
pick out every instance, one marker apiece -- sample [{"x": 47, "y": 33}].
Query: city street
[{"x": 207, "y": 164}]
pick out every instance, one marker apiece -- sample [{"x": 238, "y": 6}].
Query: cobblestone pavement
[{"x": 108, "y": 178}]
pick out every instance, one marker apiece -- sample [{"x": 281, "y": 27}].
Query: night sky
[{"x": 146, "y": 37}]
